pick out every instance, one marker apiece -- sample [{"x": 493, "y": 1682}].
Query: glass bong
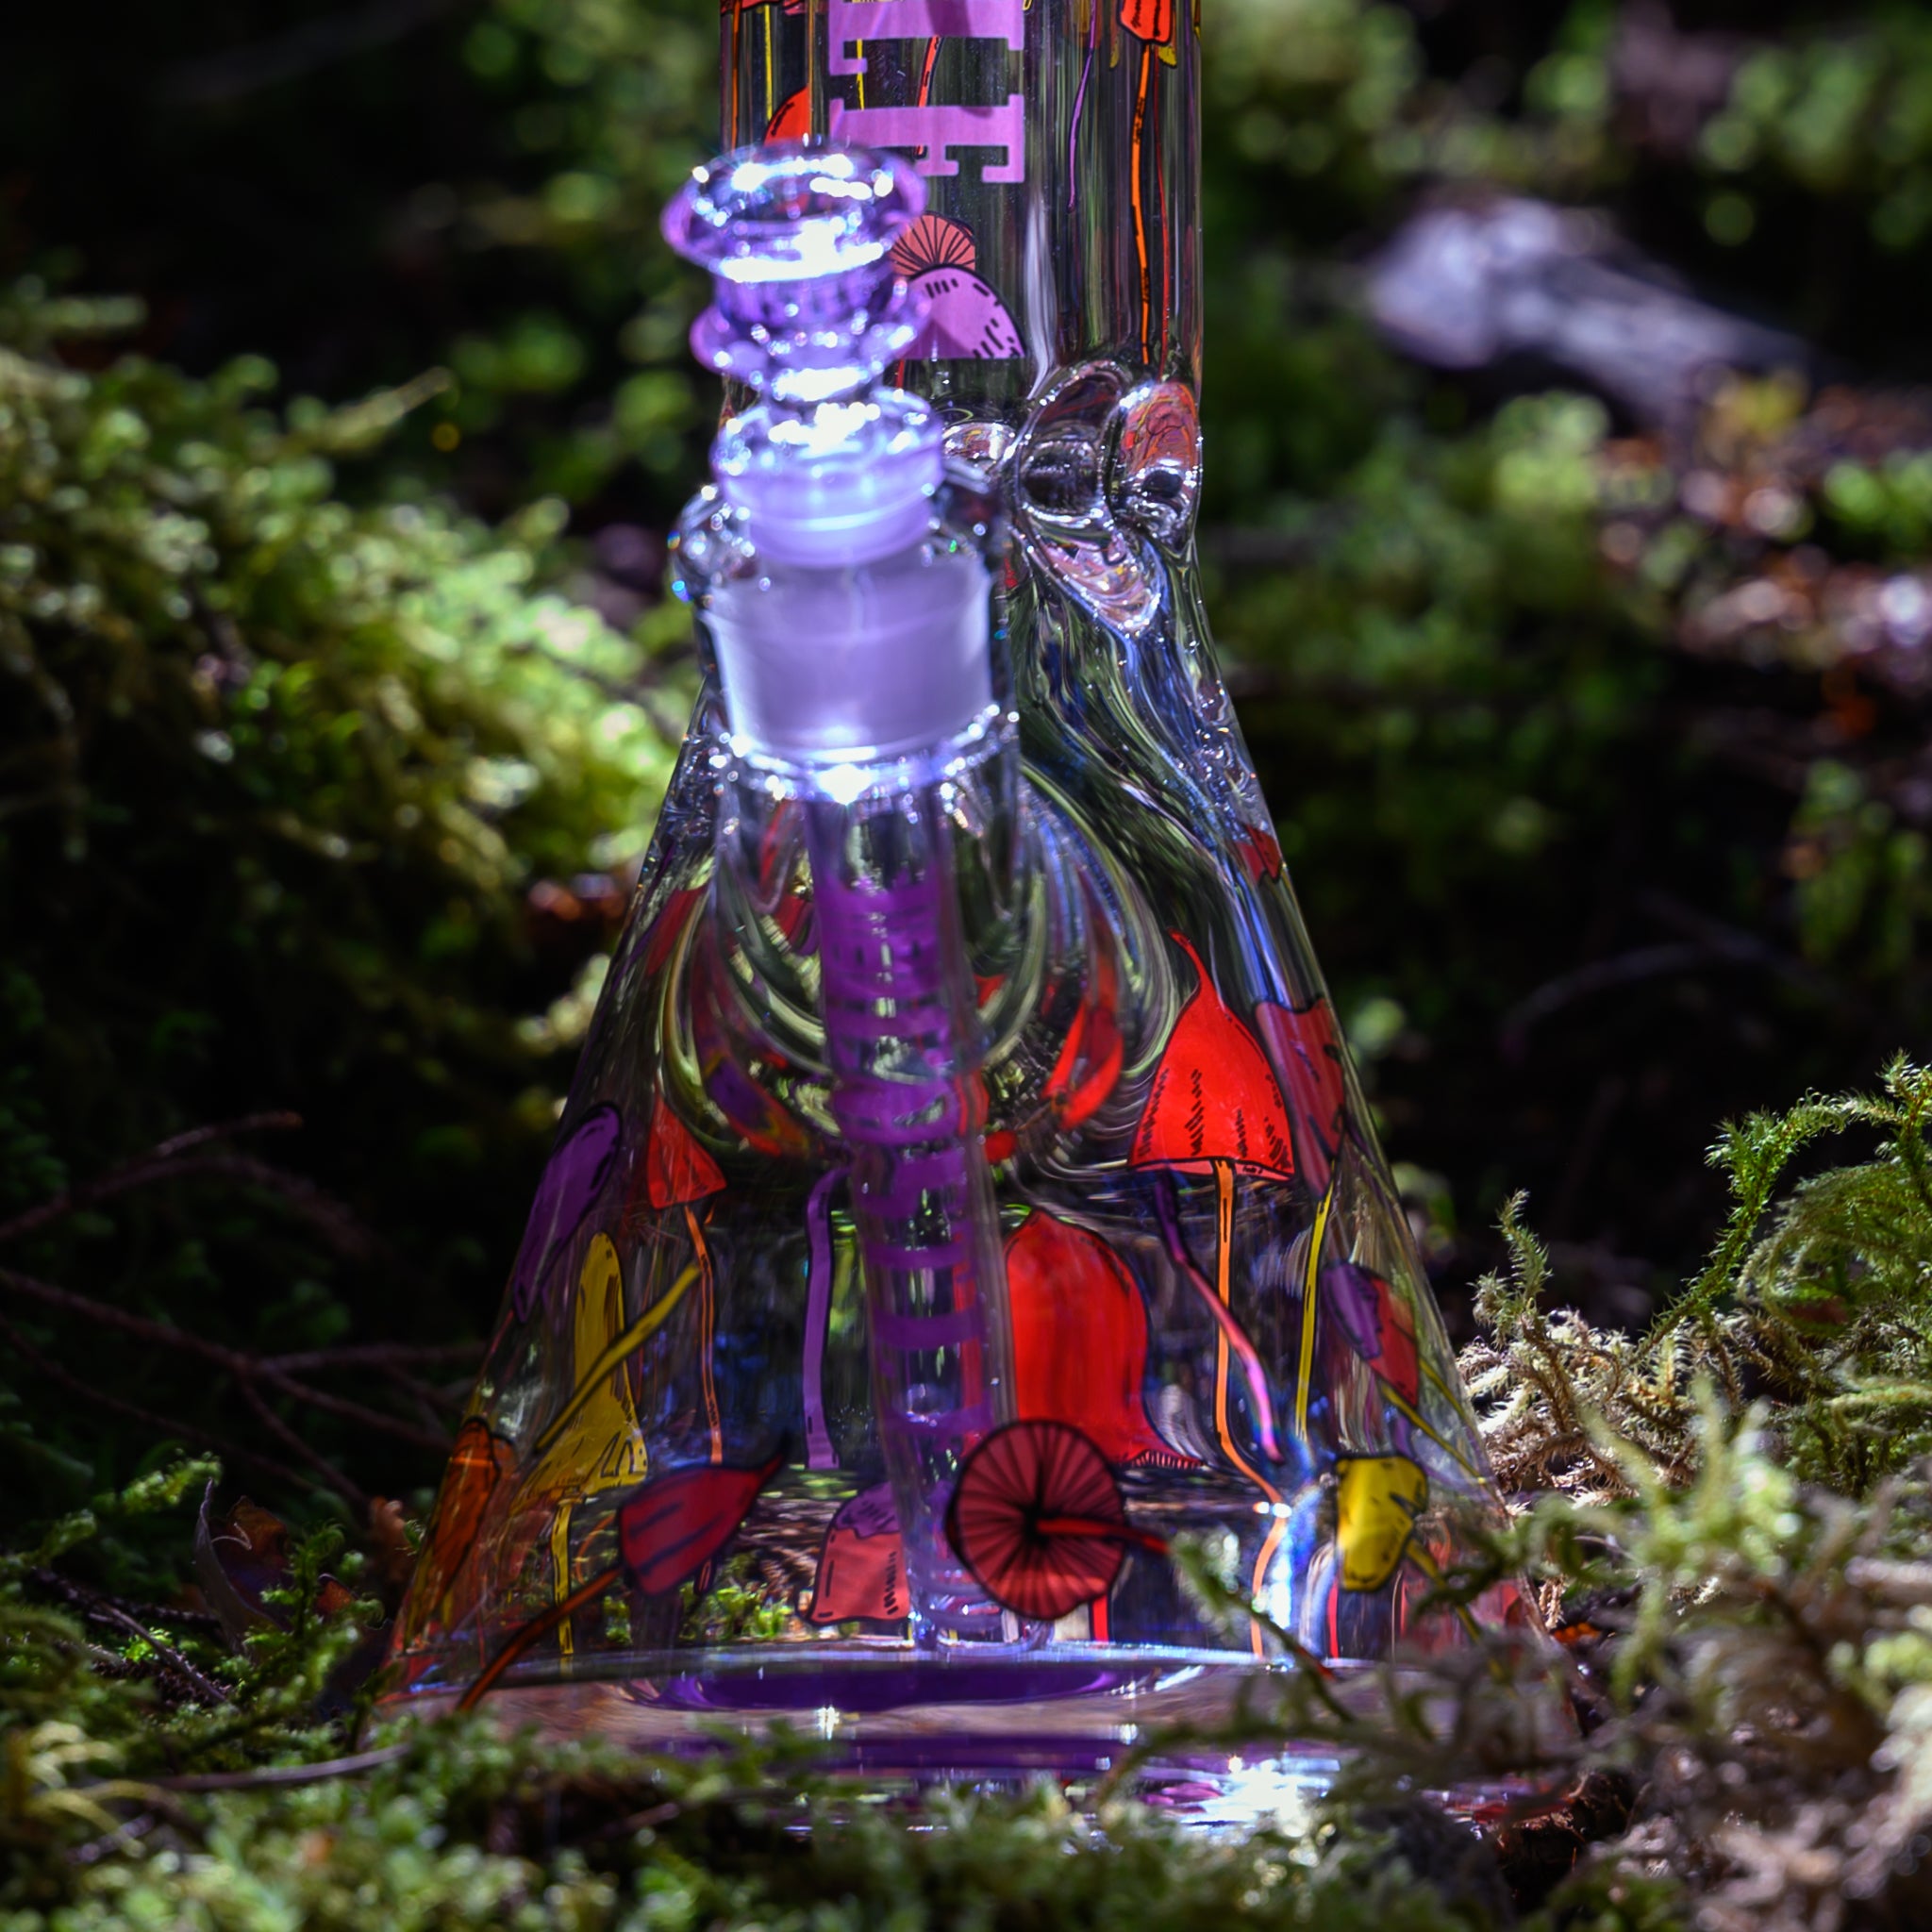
[{"x": 965, "y": 1193}]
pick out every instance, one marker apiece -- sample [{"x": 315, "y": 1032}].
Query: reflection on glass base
[{"x": 896, "y": 1721}]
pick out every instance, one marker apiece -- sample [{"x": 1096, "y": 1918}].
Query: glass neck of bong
[{"x": 1059, "y": 145}]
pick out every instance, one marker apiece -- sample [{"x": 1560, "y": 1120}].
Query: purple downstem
[{"x": 901, "y": 1039}]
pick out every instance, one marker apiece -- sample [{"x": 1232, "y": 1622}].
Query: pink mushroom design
[{"x": 966, "y": 320}]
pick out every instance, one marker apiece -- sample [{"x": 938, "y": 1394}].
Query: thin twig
[
  {"x": 182, "y": 1158},
  {"x": 166, "y": 1652},
  {"x": 377, "y": 1355},
  {"x": 435, "y": 1441},
  {"x": 1602, "y": 975},
  {"x": 84, "y": 1598},
  {"x": 282, "y": 1776},
  {"x": 246, "y": 1368},
  {"x": 118, "y": 1839},
  {"x": 275, "y": 1120},
  {"x": 344, "y": 1486},
  {"x": 420, "y": 1394},
  {"x": 638, "y": 1821},
  {"x": 151, "y": 1419},
  {"x": 158, "y": 1163}
]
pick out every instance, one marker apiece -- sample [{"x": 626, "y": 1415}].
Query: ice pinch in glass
[{"x": 965, "y": 1115}]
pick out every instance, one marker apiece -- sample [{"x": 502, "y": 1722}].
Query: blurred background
[{"x": 1570, "y": 503}]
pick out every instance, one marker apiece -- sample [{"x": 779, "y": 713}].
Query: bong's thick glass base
[{"x": 896, "y": 1721}]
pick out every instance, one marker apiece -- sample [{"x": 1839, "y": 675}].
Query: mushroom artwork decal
[
  {"x": 1216, "y": 1109},
  {"x": 1377, "y": 1499},
  {"x": 791, "y": 119},
  {"x": 667, "y": 1530},
  {"x": 599, "y": 1446},
  {"x": 861, "y": 1572},
  {"x": 572, "y": 1179},
  {"x": 1037, "y": 1517},
  {"x": 1376, "y": 1320},
  {"x": 964, "y": 316},
  {"x": 1080, "y": 1338},
  {"x": 477, "y": 1461},
  {"x": 1378, "y": 1325},
  {"x": 1306, "y": 1055},
  {"x": 677, "y": 1172}
]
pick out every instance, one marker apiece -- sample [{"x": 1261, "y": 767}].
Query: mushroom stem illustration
[
  {"x": 1223, "y": 1287},
  {"x": 707, "y": 1330},
  {"x": 1416, "y": 1418},
  {"x": 1305, "y": 1368},
  {"x": 1140, "y": 206},
  {"x": 1080, "y": 102},
  {"x": 1231, "y": 1339},
  {"x": 1099, "y": 1526},
  {"x": 627, "y": 1343},
  {"x": 1153, "y": 23},
  {"x": 818, "y": 1452},
  {"x": 534, "y": 1631}
]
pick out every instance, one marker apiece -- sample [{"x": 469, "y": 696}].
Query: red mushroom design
[{"x": 1216, "y": 1108}]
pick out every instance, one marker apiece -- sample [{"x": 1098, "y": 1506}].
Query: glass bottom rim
[{"x": 895, "y": 1720}]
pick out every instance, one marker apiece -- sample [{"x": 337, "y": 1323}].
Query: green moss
[
  {"x": 279, "y": 771},
  {"x": 1746, "y": 1587}
]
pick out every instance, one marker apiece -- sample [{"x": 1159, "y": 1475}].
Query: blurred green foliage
[{"x": 279, "y": 772}]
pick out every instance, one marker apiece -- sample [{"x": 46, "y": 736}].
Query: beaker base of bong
[{"x": 1184, "y": 1730}]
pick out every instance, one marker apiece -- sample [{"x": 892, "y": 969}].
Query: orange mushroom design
[
  {"x": 862, "y": 1572},
  {"x": 478, "y": 1461}
]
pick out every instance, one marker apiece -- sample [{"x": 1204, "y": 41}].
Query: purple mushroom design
[
  {"x": 965, "y": 319},
  {"x": 571, "y": 1182}
]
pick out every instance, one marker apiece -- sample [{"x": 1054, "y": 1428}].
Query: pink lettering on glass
[
  {"x": 936, "y": 130},
  {"x": 850, "y": 21}
]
